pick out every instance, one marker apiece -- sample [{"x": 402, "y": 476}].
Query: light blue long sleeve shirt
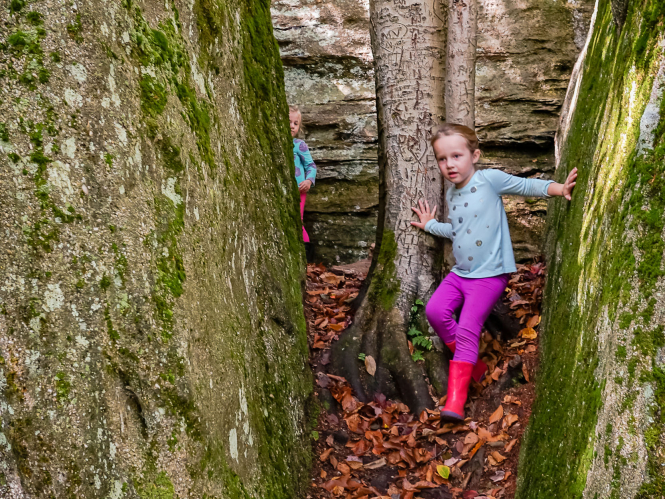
[{"x": 479, "y": 226}]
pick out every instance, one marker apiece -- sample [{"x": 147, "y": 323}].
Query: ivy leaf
[{"x": 419, "y": 302}]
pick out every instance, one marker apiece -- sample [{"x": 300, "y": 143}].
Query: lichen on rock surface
[
  {"x": 598, "y": 421},
  {"x": 152, "y": 339}
]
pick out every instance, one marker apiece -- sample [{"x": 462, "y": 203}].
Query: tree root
[{"x": 382, "y": 335}]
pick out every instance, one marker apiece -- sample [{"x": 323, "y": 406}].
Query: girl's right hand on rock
[{"x": 424, "y": 214}]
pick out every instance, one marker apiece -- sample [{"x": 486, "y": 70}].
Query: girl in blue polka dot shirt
[{"x": 482, "y": 248}]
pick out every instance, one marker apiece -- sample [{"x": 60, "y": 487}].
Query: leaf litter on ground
[{"x": 382, "y": 450}]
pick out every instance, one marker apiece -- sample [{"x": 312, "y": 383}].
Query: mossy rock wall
[
  {"x": 152, "y": 337},
  {"x": 597, "y": 426}
]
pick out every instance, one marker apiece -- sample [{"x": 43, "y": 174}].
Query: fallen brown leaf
[
  {"x": 475, "y": 449},
  {"x": 525, "y": 371},
  {"x": 533, "y": 321},
  {"x": 528, "y": 333},
  {"x": 509, "y": 420},
  {"x": 355, "y": 423},
  {"x": 354, "y": 465},
  {"x": 471, "y": 438},
  {"x": 376, "y": 464},
  {"x": 406, "y": 485},
  {"x": 370, "y": 365},
  {"x": 484, "y": 434},
  {"x": 343, "y": 468},
  {"x": 496, "y": 415},
  {"x": 325, "y": 454}
]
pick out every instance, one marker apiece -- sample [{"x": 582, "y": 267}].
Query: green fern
[
  {"x": 417, "y": 355},
  {"x": 422, "y": 341},
  {"x": 414, "y": 332},
  {"x": 419, "y": 341}
]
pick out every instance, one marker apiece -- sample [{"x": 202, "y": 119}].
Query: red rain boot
[
  {"x": 479, "y": 370},
  {"x": 459, "y": 377}
]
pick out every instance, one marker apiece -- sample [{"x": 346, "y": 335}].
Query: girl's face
[
  {"x": 294, "y": 118},
  {"x": 456, "y": 161}
]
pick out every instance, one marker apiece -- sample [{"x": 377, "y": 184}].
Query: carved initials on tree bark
[{"x": 408, "y": 41}]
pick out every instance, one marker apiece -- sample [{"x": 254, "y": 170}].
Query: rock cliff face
[
  {"x": 526, "y": 52},
  {"x": 598, "y": 421},
  {"x": 152, "y": 339}
]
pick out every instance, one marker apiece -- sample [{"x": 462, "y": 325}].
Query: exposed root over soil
[{"x": 381, "y": 449}]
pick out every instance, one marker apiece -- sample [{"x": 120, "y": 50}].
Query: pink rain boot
[
  {"x": 459, "y": 377},
  {"x": 478, "y": 371}
]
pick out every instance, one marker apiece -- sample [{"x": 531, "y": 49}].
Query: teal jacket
[{"x": 305, "y": 167}]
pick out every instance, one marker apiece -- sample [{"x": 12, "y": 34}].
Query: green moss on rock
[
  {"x": 385, "y": 284},
  {"x": 157, "y": 266},
  {"x": 606, "y": 258}
]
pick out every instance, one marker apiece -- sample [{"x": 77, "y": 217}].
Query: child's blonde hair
[
  {"x": 448, "y": 129},
  {"x": 296, "y": 109}
]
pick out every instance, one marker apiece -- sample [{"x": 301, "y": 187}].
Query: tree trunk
[
  {"x": 407, "y": 42},
  {"x": 152, "y": 339},
  {"x": 599, "y": 417},
  {"x": 461, "y": 63}
]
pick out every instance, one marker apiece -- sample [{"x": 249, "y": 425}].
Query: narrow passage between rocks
[{"x": 383, "y": 450}]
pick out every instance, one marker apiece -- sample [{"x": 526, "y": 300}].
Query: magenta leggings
[
  {"x": 473, "y": 299},
  {"x": 303, "y": 198}
]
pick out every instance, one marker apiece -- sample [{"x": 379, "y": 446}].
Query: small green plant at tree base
[
  {"x": 361, "y": 356},
  {"x": 419, "y": 340},
  {"x": 416, "y": 304}
]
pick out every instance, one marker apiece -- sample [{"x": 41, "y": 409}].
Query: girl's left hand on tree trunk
[{"x": 304, "y": 186}]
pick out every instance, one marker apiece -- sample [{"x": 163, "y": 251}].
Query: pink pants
[
  {"x": 303, "y": 198},
  {"x": 473, "y": 300}
]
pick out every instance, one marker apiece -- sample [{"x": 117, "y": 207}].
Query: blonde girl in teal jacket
[{"x": 305, "y": 167}]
